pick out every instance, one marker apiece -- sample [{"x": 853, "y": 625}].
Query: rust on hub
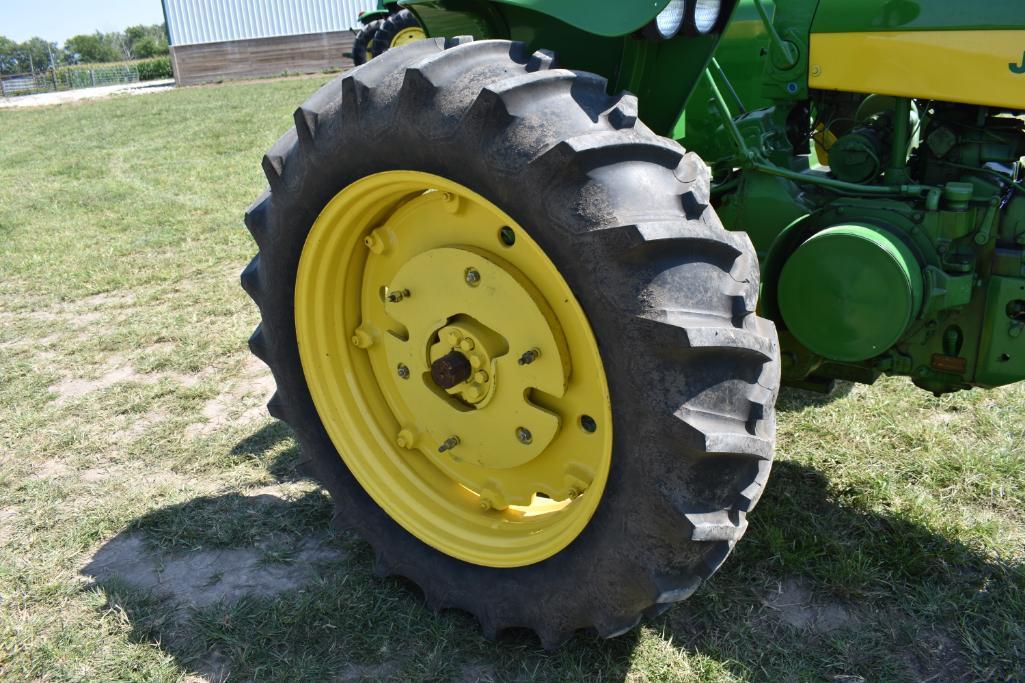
[{"x": 450, "y": 370}]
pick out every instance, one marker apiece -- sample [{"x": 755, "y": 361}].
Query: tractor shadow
[
  {"x": 257, "y": 588},
  {"x": 792, "y": 399}
]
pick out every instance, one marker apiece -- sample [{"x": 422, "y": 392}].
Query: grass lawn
[{"x": 154, "y": 523}]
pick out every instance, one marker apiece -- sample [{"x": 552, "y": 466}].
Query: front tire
[{"x": 623, "y": 215}]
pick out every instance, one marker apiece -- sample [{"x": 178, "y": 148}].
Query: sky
[{"x": 58, "y": 20}]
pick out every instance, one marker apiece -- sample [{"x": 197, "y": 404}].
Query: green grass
[{"x": 889, "y": 546}]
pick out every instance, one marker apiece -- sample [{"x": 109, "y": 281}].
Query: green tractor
[
  {"x": 384, "y": 27},
  {"x": 511, "y": 332}
]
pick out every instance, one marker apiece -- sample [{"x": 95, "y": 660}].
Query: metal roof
[{"x": 211, "y": 21}]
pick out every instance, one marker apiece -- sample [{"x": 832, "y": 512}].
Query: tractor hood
[
  {"x": 843, "y": 16},
  {"x": 966, "y": 52}
]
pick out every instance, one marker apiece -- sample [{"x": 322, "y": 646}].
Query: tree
[
  {"x": 94, "y": 47},
  {"x": 146, "y": 41},
  {"x": 8, "y": 56},
  {"x": 34, "y": 54}
]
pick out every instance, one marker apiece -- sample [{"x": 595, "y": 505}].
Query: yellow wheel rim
[
  {"x": 408, "y": 35},
  {"x": 453, "y": 369}
]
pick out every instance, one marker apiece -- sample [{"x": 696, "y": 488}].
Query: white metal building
[{"x": 222, "y": 39}]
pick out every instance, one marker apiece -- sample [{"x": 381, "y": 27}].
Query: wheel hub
[
  {"x": 457, "y": 374},
  {"x": 459, "y": 330}
]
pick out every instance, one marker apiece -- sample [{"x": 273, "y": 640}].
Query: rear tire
[
  {"x": 361, "y": 45},
  {"x": 395, "y": 30},
  {"x": 624, "y": 214}
]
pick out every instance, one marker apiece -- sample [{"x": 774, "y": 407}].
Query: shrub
[{"x": 155, "y": 68}]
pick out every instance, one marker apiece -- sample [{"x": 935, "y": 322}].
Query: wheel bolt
[
  {"x": 573, "y": 493},
  {"x": 529, "y": 357},
  {"x": 472, "y": 277},
  {"x": 466, "y": 344},
  {"x": 449, "y": 443},
  {"x": 403, "y": 371},
  {"x": 398, "y": 295},
  {"x": 480, "y": 377},
  {"x": 485, "y": 504},
  {"x": 524, "y": 435}
]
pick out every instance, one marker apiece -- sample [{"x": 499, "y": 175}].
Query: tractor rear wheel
[
  {"x": 362, "y": 50},
  {"x": 397, "y": 30},
  {"x": 514, "y": 341}
]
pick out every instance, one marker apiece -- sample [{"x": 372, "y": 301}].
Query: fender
[{"x": 609, "y": 19}]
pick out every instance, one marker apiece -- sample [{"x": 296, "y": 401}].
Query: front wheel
[{"x": 514, "y": 340}]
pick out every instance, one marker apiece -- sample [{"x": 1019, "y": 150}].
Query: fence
[{"x": 68, "y": 78}]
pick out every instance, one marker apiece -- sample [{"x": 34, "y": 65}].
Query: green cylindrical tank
[{"x": 850, "y": 292}]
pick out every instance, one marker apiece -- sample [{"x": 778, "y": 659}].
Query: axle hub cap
[{"x": 486, "y": 457}]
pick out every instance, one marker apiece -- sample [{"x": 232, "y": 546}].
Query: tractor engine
[{"x": 931, "y": 286}]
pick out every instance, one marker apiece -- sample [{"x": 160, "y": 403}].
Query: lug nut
[
  {"x": 485, "y": 504},
  {"x": 480, "y": 377},
  {"x": 524, "y": 435},
  {"x": 466, "y": 344},
  {"x": 472, "y": 277},
  {"x": 529, "y": 357},
  {"x": 573, "y": 493},
  {"x": 374, "y": 242},
  {"x": 406, "y": 439},
  {"x": 403, "y": 371},
  {"x": 449, "y": 443},
  {"x": 361, "y": 339}
]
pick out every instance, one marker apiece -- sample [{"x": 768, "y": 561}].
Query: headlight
[
  {"x": 706, "y": 14},
  {"x": 669, "y": 20}
]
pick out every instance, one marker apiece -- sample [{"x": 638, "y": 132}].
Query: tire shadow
[
  {"x": 284, "y": 465},
  {"x": 792, "y": 399},
  {"x": 258, "y": 588},
  {"x": 823, "y": 588}
]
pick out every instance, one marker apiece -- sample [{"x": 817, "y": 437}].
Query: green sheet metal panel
[
  {"x": 616, "y": 18},
  {"x": 843, "y": 16}
]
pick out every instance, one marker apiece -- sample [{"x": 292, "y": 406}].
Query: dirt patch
[
  {"x": 242, "y": 401},
  {"x": 476, "y": 673},
  {"x": 83, "y": 319},
  {"x": 795, "y": 605},
  {"x": 8, "y": 516},
  {"x": 51, "y": 469},
  {"x": 204, "y": 577},
  {"x": 74, "y": 387},
  {"x": 106, "y": 299},
  {"x": 118, "y": 369},
  {"x": 137, "y": 425}
]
